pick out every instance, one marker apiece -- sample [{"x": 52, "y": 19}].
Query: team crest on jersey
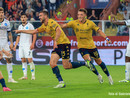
[
  {"x": 27, "y": 27},
  {"x": 5, "y": 24}
]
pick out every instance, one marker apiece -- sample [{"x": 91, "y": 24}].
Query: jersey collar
[
  {"x": 25, "y": 24},
  {"x": 2, "y": 20}
]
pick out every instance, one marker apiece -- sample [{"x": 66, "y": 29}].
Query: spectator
[
  {"x": 126, "y": 15},
  {"x": 24, "y": 5},
  {"x": 34, "y": 4},
  {"x": 32, "y": 16},
  {"x": 37, "y": 16},
  {"x": 10, "y": 3},
  {"x": 93, "y": 16},
  {"x": 29, "y": 10},
  {"x": 1, "y": 3},
  {"x": 43, "y": 2},
  {"x": 39, "y": 7},
  {"x": 28, "y": 2},
  {"x": 69, "y": 18},
  {"x": 52, "y": 7}
]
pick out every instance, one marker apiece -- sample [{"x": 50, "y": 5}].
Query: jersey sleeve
[
  {"x": 95, "y": 27},
  {"x": 8, "y": 27},
  {"x": 31, "y": 27},
  {"x": 70, "y": 24},
  {"x": 127, "y": 22},
  {"x": 41, "y": 29},
  {"x": 18, "y": 33},
  {"x": 54, "y": 25}
]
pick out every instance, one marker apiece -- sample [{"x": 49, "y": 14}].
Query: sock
[
  {"x": 127, "y": 70},
  {"x": 56, "y": 71},
  {"x": 10, "y": 70},
  {"x": 2, "y": 81},
  {"x": 32, "y": 67},
  {"x": 24, "y": 67},
  {"x": 94, "y": 70},
  {"x": 77, "y": 64},
  {"x": 104, "y": 68}
]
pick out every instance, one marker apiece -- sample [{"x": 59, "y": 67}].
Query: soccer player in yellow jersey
[
  {"x": 61, "y": 48},
  {"x": 83, "y": 29}
]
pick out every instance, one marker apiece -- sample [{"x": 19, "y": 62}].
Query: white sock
[
  {"x": 127, "y": 70},
  {"x": 24, "y": 67},
  {"x": 10, "y": 70},
  {"x": 32, "y": 67}
]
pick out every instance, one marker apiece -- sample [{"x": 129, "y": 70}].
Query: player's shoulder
[
  {"x": 29, "y": 24},
  {"x": 51, "y": 21},
  {"x": 6, "y": 21},
  {"x": 89, "y": 21},
  {"x": 75, "y": 21}
]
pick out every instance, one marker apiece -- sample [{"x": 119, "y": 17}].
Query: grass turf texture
[{"x": 81, "y": 83}]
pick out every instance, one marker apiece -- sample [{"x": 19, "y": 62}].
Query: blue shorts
[
  {"x": 92, "y": 52},
  {"x": 63, "y": 51}
]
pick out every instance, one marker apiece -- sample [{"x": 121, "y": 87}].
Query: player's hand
[
  {"x": 32, "y": 47},
  {"x": 108, "y": 40},
  {"x": 55, "y": 45},
  {"x": 14, "y": 48},
  {"x": 16, "y": 31},
  {"x": 11, "y": 46}
]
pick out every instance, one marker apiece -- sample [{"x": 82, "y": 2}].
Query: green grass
[{"x": 81, "y": 83}]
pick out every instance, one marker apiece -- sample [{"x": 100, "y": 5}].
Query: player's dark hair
[
  {"x": 45, "y": 12},
  {"x": 1, "y": 9},
  {"x": 24, "y": 14},
  {"x": 83, "y": 10}
]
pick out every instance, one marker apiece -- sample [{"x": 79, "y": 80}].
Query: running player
[
  {"x": 2, "y": 81},
  {"x": 83, "y": 30},
  {"x": 25, "y": 47},
  {"x": 4, "y": 29},
  {"x": 127, "y": 55},
  {"x": 61, "y": 47}
]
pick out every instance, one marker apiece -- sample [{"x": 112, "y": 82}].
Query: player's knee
[
  {"x": 98, "y": 61},
  {"x": 9, "y": 60},
  {"x": 66, "y": 66},
  {"x": 30, "y": 60},
  {"x": 52, "y": 64},
  {"x": 23, "y": 60}
]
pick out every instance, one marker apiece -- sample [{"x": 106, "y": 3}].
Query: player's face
[
  {"x": 1, "y": 14},
  {"x": 24, "y": 18},
  {"x": 81, "y": 16},
  {"x": 42, "y": 17}
]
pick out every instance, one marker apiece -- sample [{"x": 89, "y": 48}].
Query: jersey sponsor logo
[
  {"x": 5, "y": 24},
  {"x": 39, "y": 43},
  {"x": 27, "y": 27}
]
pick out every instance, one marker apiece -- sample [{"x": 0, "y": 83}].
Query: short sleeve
[
  {"x": 70, "y": 24},
  {"x": 8, "y": 26},
  {"x": 54, "y": 25},
  {"x": 95, "y": 27},
  {"x": 41, "y": 29},
  {"x": 31, "y": 27},
  {"x": 127, "y": 22},
  {"x": 18, "y": 33}
]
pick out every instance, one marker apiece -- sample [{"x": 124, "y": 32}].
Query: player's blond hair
[
  {"x": 83, "y": 10},
  {"x": 1, "y": 9}
]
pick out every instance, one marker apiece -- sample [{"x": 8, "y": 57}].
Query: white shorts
[
  {"x": 128, "y": 50},
  {"x": 25, "y": 52},
  {"x": 6, "y": 48}
]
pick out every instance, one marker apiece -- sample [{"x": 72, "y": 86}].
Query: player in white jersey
[
  {"x": 127, "y": 55},
  {"x": 4, "y": 29},
  {"x": 25, "y": 46}
]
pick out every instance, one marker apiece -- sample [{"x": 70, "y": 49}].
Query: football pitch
[{"x": 80, "y": 83}]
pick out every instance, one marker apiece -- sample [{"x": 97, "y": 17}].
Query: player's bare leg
[
  {"x": 24, "y": 68},
  {"x": 92, "y": 67},
  {"x": 105, "y": 70},
  {"x": 2, "y": 81},
  {"x": 127, "y": 69},
  {"x": 32, "y": 67},
  {"x": 10, "y": 70},
  {"x": 53, "y": 63}
]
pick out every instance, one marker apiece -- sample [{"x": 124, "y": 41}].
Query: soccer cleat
[
  {"x": 6, "y": 89},
  {"x": 23, "y": 78},
  {"x": 88, "y": 64},
  {"x": 100, "y": 79},
  {"x": 11, "y": 80},
  {"x": 110, "y": 80},
  {"x": 126, "y": 81},
  {"x": 60, "y": 85},
  {"x": 33, "y": 78}
]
